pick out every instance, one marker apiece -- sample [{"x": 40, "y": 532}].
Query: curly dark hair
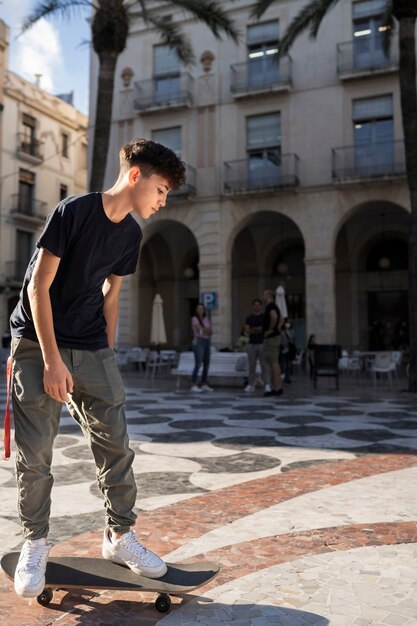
[{"x": 153, "y": 158}]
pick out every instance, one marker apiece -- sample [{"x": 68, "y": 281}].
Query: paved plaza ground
[{"x": 308, "y": 501}]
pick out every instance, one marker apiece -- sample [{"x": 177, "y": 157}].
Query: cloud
[{"x": 37, "y": 51}]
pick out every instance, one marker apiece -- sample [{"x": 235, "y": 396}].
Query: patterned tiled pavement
[{"x": 307, "y": 501}]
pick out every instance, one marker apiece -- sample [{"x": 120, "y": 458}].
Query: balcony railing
[
  {"x": 365, "y": 54},
  {"x": 260, "y": 75},
  {"x": 27, "y": 207},
  {"x": 245, "y": 175},
  {"x": 159, "y": 93},
  {"x": 15, "y": 271},
  {"x": 384, "y": 159},
  {"x": 189, "y": 189},
  {"x": 29, "y": 147}
]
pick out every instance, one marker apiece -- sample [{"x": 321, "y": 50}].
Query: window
[
  {"x": 368, "y": 29},
  {"x": 373, "y": 135},
  {"x": 63, "y": 191},
  {"x": 264, "y": 149},
  {"x": 166, "y": 71},
  {"x": 26, "y": 195},
  {"x": 83, "y": 156},
  {"x": 28, "y": 137},
  {"x": 64, "y": 144},
  {"x": 262, "y": 43},
  {"x": 24, "y": 249},
  {"x": 169, "y": 137}
]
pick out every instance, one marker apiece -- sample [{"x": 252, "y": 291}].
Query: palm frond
[
  {"x": 211, "y": 13},
  {"x": 310, "y": 17},
  {"x": 260, "y": 7},
  {"x": 172, "y": 35},
  {"x": 52, "y": 7},
  {"x": 144, "y": 9}
]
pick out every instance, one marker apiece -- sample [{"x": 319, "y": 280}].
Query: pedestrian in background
[
  {"x": 271, "y": 342},
  {"x": 287, "y": 351},
  {"x": 202, "y": 331},
  {"x": 310, "y": 353},
  {"x": 254, "y": 329}
]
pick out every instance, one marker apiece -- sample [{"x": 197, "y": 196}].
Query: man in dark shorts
[
  {"x": 63, "y": 330},
  {"x": 271, "y": 343}
]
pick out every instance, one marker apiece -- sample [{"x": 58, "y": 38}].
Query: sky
[{"x": 55, "y": 47}]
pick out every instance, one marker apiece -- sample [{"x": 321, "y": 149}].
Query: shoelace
[
  {"x": 33, "y": 556},
  {"x": 133, "y": 545}
]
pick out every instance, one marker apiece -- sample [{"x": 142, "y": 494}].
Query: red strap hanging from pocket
[{"x": 9, "y": 369}]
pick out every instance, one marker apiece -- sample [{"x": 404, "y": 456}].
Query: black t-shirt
[
  {"x": 254, "y": 321},
  {"x": 271, "y": 307},
  {"x": 91, "y": 247}
]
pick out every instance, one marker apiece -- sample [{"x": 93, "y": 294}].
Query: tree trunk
[
  {"x": 407, "y": 23},
  {"x": 103, "y": 119}
]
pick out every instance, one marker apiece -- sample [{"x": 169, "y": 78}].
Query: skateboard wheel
[
  {"x": 163, "y": 603},
  {"x": 45, "y": 597}
]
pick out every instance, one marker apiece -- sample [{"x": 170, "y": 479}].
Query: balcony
[
  {"x": 260, "y": 76},
  {"x": 159, "y": 93},
  {"x": 27, "y": 211},
  {"x": 15, "y": 272},
  {"x": 380, "y": 160},
  {"x": 247, "y": 176},
  {"x": 365, "y": 56},
  {"x": 29, "y": 149},
  {"x": 188, "y": 190}
]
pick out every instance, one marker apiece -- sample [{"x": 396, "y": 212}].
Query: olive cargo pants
[{"x": 97, "y": 404}]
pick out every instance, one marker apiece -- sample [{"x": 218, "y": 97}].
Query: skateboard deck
[{"x": 90, "y": 573}]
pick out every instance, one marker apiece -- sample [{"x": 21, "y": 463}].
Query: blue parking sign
[{"x": 209, "y": 299}]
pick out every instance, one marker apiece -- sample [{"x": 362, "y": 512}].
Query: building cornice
[{"x": 39, "y": 100}]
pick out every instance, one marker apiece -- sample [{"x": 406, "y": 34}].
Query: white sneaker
[
  {"x": 128, "y": 551},
  {"x": 196, "y": 389},
  {"x": 206, "y": 387},
  {"x": 267, "y": 388},
  {"x": 29, "y": 578},
  {"x": 249, "y": 388}
]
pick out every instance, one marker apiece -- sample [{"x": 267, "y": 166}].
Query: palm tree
[
  {"x": 405, "y": 12},
  {"x": 110, "y": 24}
]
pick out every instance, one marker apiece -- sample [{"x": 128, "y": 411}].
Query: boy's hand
[{"x": 57, "y": 381}]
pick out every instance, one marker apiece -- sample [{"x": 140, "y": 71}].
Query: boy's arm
[
  {"x": 57, "y": 380},
  {"x": 111, "y": 290}
]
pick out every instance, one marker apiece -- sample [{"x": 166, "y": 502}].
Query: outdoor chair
[
  {"x": 134, "y": 356},
  {"x": 155, "y": 363},
  {"x": 326, "y": 362},
  {"x": 383, "y": 365},
  {"x": 397, "y": 357},
  {"x": 354, "y": 366}
]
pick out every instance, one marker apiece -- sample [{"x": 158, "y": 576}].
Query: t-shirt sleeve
[
  {"x": 59, "y": 231},
  {"x": 128, "y": 263}
]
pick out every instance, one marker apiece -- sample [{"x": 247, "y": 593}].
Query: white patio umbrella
[
  {"x": 280, "y": 300},
  {"x": 158, "y": 332}
]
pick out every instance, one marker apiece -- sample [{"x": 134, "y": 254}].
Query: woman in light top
[{"x": 201, "y": 327}]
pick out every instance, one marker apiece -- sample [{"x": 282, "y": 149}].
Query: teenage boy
[{"x": 63, "y": 330}]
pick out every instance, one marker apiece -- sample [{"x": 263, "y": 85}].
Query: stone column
[
  {"x": 216, "y": 277},
  {"x": 321, "y": 298}
]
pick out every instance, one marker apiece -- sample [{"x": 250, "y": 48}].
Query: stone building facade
[
  {"x": 296, "y": 176},
  {"x": 43, "y": 153}
]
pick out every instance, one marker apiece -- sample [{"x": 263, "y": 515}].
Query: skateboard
[{"x": 89, "y": 573}]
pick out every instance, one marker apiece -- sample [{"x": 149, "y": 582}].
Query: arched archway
[
  {"x": 269, "y": 251},
  {"x": 168, "y": 265},
  {"x": 372, "y": 278}
]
